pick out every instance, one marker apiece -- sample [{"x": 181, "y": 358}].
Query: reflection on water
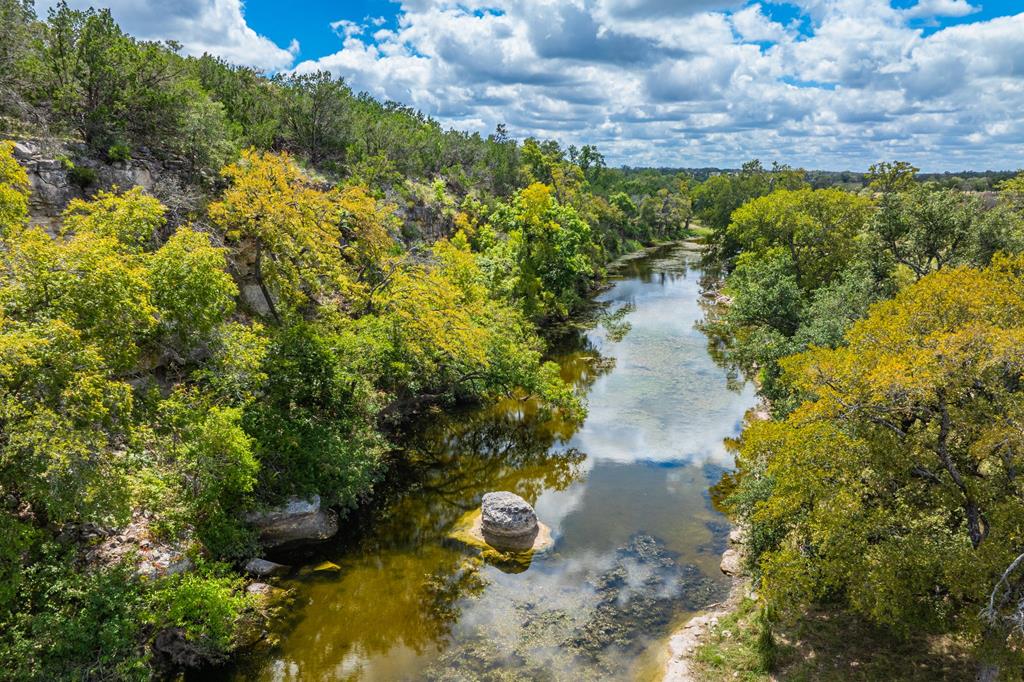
[{"x": 636, "y": 539}]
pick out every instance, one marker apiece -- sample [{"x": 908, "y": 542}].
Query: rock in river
[
  {"x": 508, "y": 522},
  {"x": 296, "y": 522},
  {"x": 264, "y": 568}
]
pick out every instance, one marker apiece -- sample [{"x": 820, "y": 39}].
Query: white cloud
[
  {"x": 753, "y": 26},
  {"x": 214, "y": 26},
  {"x": 941, "y": 8},
  {"x": 674, "y": 82},
  {"x": 346, "y": 28}
]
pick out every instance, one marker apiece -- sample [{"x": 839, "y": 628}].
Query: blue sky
[
  {"x": 831, "y": 84},
  {"x": 310, "y": 22}
]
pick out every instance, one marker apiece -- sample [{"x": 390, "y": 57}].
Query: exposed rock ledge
[
  {"x": 137, "y": 543},
  {"x": 296, "y": 522}
]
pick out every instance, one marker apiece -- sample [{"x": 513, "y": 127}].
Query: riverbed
[{"x": 636, "y": 541}]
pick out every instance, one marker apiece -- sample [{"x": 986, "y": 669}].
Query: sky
[{"x": 825, "y": 84}]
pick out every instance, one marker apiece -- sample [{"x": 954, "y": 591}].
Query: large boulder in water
[
  {"x": 294, "y": 523},
  {"x": 508, "y": 522}
]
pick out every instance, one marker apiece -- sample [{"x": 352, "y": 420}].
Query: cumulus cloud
[
  {"x": 941, "y": 8},
  {"x": 753, "y": 26},
  {"x": 709, "y": 81},
  {"x": 837, "y": 84},
  {"x": 214, "y": 26}
]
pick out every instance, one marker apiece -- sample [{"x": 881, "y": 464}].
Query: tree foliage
[{"x": 896, "y": 480}]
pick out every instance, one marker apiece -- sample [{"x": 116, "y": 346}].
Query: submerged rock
[
  {"x": 508, "y": 522},
  {"x": 294, "y": 523},
  {"x": 548, "y": 633},
  {"x": 639, "y": 595}
]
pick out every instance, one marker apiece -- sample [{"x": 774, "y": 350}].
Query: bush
[
  {"x": 315, "y": 425},
  {"x": 119, "y": 152},
  {"x": 204, "y": 603},
  {"x": 71, "y": 625},
  {"x": 81, "y": 176}
]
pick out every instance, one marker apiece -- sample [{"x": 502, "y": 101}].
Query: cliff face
[
  {"x": 50, "y": 171},
  {"x": 49, "y": 165}
]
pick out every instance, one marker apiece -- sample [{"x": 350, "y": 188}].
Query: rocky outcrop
[
  {"x": 297, "y": 522},
  {"x": 49, "y": 167},
  {"x": 508, "y": 522},
  {"x": 732, "y": 562},
  {"x": 135, "y": 542}
]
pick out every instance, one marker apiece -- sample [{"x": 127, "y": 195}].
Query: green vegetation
[
  {"x": 885, "y": 330},
  {"x": 321, "y": 265},
  {"x": 823, "y": 645}
]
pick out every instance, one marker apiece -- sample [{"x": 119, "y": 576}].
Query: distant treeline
[{"x": 967, "y": 181}]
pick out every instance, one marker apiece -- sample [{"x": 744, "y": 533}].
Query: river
[{"x": 637, "y": 543}]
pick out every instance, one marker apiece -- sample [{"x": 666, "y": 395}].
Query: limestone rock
[
  {"x": 135, "y": 542},
  {"x": 508, "y": 522},
  {"x": 732, "y": 562},
  {"x": 297, "y": 522},
  {"x": 263, "y": 568},
  {"x": 468, "y": 531}
]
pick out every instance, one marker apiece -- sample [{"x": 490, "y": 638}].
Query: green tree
[
  {"x": 926, "y": 228},
  {"x": 542, "y": 261},
  {"x": 894, "y": 486},
  {"x": 315, "y": 114},
  {"x": 891, "y": 178},
  {"x": 192, "y": 291},
  {"x": 103, "y": 84},
  {"x": 17, "y": 17},
  {"x": 818, "y": 228}
]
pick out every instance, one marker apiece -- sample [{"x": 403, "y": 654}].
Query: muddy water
[{"x": 637, "y": 543}]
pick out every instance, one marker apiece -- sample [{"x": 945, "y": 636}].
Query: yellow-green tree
[
  {"x": 304, "y": 245},
  {"x": 817, "y": 228},
  {"x": 896, "y": 484},
  {"x": 14, "y": 190},
  {"x": 133, "y": 218}
]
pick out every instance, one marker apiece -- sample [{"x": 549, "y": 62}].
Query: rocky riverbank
[{"x": 683, "y": 643}]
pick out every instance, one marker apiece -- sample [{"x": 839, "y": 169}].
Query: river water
[{"x": 637, "y": 543}]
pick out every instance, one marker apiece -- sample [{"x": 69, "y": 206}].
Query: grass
[
  {"x": 700, "y": 231},
  {"x": 822, "y": 645}
]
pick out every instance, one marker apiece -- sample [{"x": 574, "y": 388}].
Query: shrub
[
  {"x": 204, "y": 603},
  {"x": 81, "y": 176},
  {"x": 71, "y": 625},
  {"x": 119, "y": 152}
]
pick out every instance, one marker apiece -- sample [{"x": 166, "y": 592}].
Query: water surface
[{"x": 637, "y": 543}]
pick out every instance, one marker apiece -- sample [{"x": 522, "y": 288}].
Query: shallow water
[{"x": 637, "y": 543}]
